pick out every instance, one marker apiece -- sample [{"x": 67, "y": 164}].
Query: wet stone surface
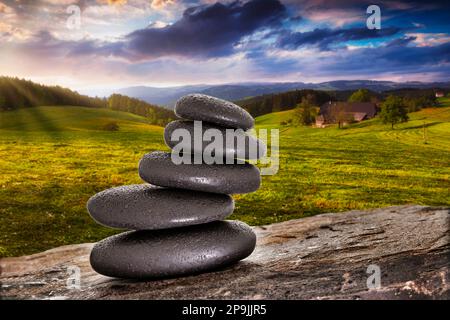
[
  {"x": 242, "y": 146},
  {"x": 213, "y": 110},
  {"x": 178, "y": 217},
  {"x": 148, "y": 207},
  {"x": 158, "y": 168},
  {"x": 173, "y": 252}
]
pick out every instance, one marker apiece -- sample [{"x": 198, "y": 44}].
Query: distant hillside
[
  {"x": 241, "y": 91},
  {"x": 260, "y": 105},
  {"x": 238, "y": 91},
  {"x": 155, "y": 115},
  {"x": 161, "y": 96},
  {"x": 377, "y": 86},
  {"x": 18, "y": 93},
  {"x": 56, "y": 120}
]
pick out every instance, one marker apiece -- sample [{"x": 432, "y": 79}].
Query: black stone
[
  {"x": 157, "y": 168},
  {"x": 236, "y": 150},
  {"x": 214, "y": 110},
  {"x": 148, "y": 207},
  {"x": 173, "y": 252}
]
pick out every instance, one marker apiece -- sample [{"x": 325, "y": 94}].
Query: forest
[
  {"x": 414, "y": 99},
  {"x": 18, "y": 93},
  {"x": 269, "y": 103},
  {"x": 156, "y": 115}
]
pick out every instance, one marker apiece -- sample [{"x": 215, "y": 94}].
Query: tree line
[
  {"x": 18, "y": 93},
  {"x": 269, "y": 103},
  {"x": 414, "y": 99},
  {"x": 156, "y": 115}
]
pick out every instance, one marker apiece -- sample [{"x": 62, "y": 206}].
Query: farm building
[{"x": 345, "y": 112}]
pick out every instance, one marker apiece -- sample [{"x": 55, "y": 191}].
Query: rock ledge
[{"x": 322, "y": 257}]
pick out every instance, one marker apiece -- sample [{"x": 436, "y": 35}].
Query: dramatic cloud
[
  {"x": 429, "y": 39},
  {"x": 325, "y": 38},
  {"x": 158, "y": 4},
  {"x": 6, "y": 11},
  {"x": 352, "y": 4},
  {"x": 395, "y": 56},
  {"x": 337, "y": 17},
  {"x": 113, "y": 2},
  {"x": 395, "y": 61},
  {"x": 206, "y": 31},
  {"x": 133, "y": 42},
  {"x": 3, "y": 8}
]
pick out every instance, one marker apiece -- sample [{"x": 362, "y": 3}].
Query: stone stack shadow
[{"x": 178, "y": 216}]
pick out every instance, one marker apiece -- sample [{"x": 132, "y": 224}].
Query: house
[
  {"x": 439, "y": 94},
  {"x": 320, "y": 121},
  {"x": 345, "y": 112}
]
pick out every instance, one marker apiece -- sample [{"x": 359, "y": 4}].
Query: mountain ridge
[{"x": 237, "y": 91}]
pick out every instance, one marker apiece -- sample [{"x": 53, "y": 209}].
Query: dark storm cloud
[
  {"x": 207, "y": 31},
  {"x": 394, "y": 58},
  {"x": 324, "y": 38},
  {"x": 401, "y": 41},
  {"x": 385, "y": 4},
  {"x": 283, "y": 48},
  {"x": 398, "y": 57}
]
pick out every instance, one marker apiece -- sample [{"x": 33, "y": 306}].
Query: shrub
[{"x": 111, "y": 126}]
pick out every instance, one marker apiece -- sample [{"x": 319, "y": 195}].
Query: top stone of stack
[{"x": 206, "y": 108}]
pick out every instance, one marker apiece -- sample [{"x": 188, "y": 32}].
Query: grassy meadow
[{"x": 52, "y": 159}]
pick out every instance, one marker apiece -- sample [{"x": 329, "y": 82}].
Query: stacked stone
[{"x": 178, "y": 216}]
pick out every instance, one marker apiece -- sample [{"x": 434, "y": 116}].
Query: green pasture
[{"x": 52, "y": 159}]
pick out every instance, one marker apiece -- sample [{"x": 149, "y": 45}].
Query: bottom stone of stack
[{"x": 173, "y": 252}]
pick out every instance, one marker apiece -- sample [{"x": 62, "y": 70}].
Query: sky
[{"x": 89, "y": 44}]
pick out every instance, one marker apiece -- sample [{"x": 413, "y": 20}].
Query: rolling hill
[
  {"x": 53, "y": 159},
  {"x": 58, "y": 119},
  {"x": 18, "y": 93}
]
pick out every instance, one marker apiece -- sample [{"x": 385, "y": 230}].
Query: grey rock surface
[
  {"x": 148, "y": 207},
  {"x": 214, "y": 110},
  {"x": 245, "y": 147},
  {"x": 173, "y": 252},
  {"x": 321, "y": 257},
  {"x": 158, "y": 168}
]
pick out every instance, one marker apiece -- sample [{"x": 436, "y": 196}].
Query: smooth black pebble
[
  {"x": 214, "y": 110},
  {"x": 244, "y": 147},
  {"x": 173, "y": 252},
  {"x": 158, "y": 168},
  {"x": 148, "y": 207}
]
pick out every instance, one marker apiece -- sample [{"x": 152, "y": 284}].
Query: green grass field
[{"x": 52, "y": 159}]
